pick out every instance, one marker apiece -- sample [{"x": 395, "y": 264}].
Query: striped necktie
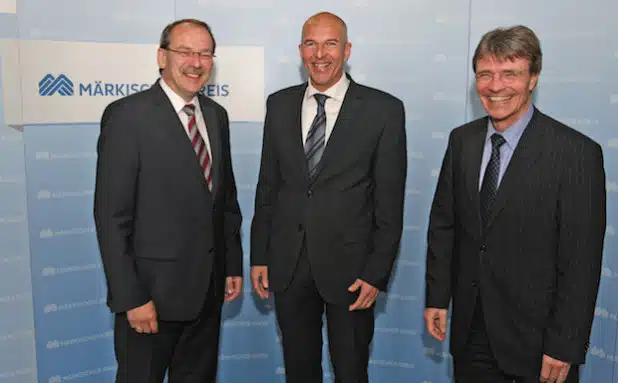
[
  {"x": 314, "y": 144},
  {"x": 199, "y": 146}
]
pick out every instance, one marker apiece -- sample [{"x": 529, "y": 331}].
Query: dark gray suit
[
  {"x": 536, "y": 267},
  {"x": 344, "y": 225},
  {"x": 163, "y": 235}
]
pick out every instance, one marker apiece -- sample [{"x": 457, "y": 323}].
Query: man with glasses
[
  {"x": 516, "y": 229},
  {"x": 167, "y": 216}
]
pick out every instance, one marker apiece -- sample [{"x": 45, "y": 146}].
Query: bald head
[
  {"x": 326, "y": 18},
  {"x": 324, "y": 49}
]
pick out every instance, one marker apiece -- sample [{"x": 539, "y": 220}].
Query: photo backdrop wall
[{"x": 61, "y": 62}]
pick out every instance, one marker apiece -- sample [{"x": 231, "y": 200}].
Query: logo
[
  {"x": 49, "y": 85},
  {"x": 50, "y": 308},
  {"x": 613, "y": 143},
  {"x": 64, "y": 86}
]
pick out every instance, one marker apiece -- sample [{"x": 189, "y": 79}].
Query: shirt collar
[
  {"x": 177, "y": 102},
  {"x": 513, "y": 133},
  {"x": 336, "y": 92}
]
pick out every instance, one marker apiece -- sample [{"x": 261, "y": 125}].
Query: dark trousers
[
  {"x": 299, "y": 311},
  {"x": 476, "y": 363},
  {"x": 188, "y": 351}
]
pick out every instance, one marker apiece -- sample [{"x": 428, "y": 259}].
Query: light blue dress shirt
[{"x": 512, "y": 135}]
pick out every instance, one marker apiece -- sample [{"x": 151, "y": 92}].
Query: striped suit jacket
[{"x": 536, "y": 266}]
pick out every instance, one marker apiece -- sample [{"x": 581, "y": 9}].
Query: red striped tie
[{"x": 199, "y": 146}]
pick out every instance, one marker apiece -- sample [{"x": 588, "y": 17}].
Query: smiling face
[
  {"x": 504, "y": 88},
  {"x": 185, "y": 66},
  {"x": 324, "y": 50}
]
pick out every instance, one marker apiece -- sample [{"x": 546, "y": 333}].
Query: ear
[
  {"x": 533, "y": 81},
  {"x": 162, "y": 58},
  {"x": 347, "y": 50}
]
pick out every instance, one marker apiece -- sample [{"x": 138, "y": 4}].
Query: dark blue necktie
[
  {"x": 489, "y": 187},
  {"x": 314, "y": 145}
]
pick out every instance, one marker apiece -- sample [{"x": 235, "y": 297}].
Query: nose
[
  {"x": 319, "y": 51},
  {"x": 195, "y": 61},
  {"x": 495, "y": 84}
]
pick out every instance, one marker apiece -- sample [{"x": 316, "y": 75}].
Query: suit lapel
[
  {"x": 214, "y": 138},
  {"x": 526, "y": 153},
  {"x": 472, "y": 155},
  {"x": 296, "y": 124},
  {"x": 342, "y": 130}
]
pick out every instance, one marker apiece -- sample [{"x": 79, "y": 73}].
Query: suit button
[
  {"x": 309, "y": 193},
  {"x": 483, "y": 248},
  {"x": 300, "y": 227},
  {"x": 473, "y": 284},
  {"x": 212, "y": 250}
]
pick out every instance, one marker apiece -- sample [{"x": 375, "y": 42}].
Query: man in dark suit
[
  {"x": 167, "y": 216},
  {"x": 329, "y": 207},
  {"x": 516, "y": 229}
]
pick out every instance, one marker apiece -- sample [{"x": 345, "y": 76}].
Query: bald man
[{"x": 329, "y": 207}]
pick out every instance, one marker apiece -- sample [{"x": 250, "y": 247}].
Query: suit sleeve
[
  {"x": 232, "y": 218},
  {"x": 440, "y": 237},
  {"x": 114, "y": 208},
  {"x": 389, "y": 172},
  {"x": 265, "y": 194},
  {"x": 581, "y": 226}
]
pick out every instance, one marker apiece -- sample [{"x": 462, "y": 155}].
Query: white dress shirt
[
  {"x": 178, "y": 103},
  {"x": 332, "y": 106}
]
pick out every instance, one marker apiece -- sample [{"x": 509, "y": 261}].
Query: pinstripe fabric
[{"x": 537, "y": 265}]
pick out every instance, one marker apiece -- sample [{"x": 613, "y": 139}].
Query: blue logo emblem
[{"x": 49, "y": 86}]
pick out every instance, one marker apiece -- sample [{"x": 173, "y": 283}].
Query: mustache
[{"x": 194, "y": 70}]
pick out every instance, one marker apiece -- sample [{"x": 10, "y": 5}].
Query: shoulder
[
  {"x": 208, "y": 102},
  {"x": 374, "y": 94},
  {"x": 560, "y": 132},
  {"x": 287, "y": 94},
  {"x": 470, "y": 128},
  {"x": 130, "y": 106}
]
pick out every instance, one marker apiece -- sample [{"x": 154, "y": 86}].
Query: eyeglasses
[
  {"x": 186, "y": 54},
  {"x": 506, "y": 76},
  {"x": 311, "y": 44}
]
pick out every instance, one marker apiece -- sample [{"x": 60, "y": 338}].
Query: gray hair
[
  {"x": 164, "y": 42},
  {"x": 517, "y": 42}
]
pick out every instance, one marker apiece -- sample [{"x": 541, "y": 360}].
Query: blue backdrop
[{"x": 54, "y": 325}]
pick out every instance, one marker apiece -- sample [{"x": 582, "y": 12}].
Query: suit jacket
[
  {"x": 536, "y": 266},
  {"x": 162, "y": 234},
  {"x": 350, "y": 215}
]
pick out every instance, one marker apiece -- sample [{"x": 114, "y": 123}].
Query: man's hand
[
  {"x": 553, "y": 370},
  {"x": 367, "y": 296},
  {"x": 259, "y": 280},
  {"x": 435, "y": 320},
  {"x": 233, "y": 288},
  {"x": 143, "y": 319}
]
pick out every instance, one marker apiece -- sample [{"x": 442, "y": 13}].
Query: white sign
[
  {"x": 8, "y": 6},
  {"x": 77, "y": 80}
]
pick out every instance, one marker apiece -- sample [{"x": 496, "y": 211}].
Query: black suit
[
  {"x": 536, "y": 266},
  {"x": 163, "y": 235},
  {"x": 344, "y": 225}
]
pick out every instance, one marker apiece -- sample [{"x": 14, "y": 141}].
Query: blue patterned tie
[
  {"x": 314, "y": 145},
  {"x": 489, "y": 187}
]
